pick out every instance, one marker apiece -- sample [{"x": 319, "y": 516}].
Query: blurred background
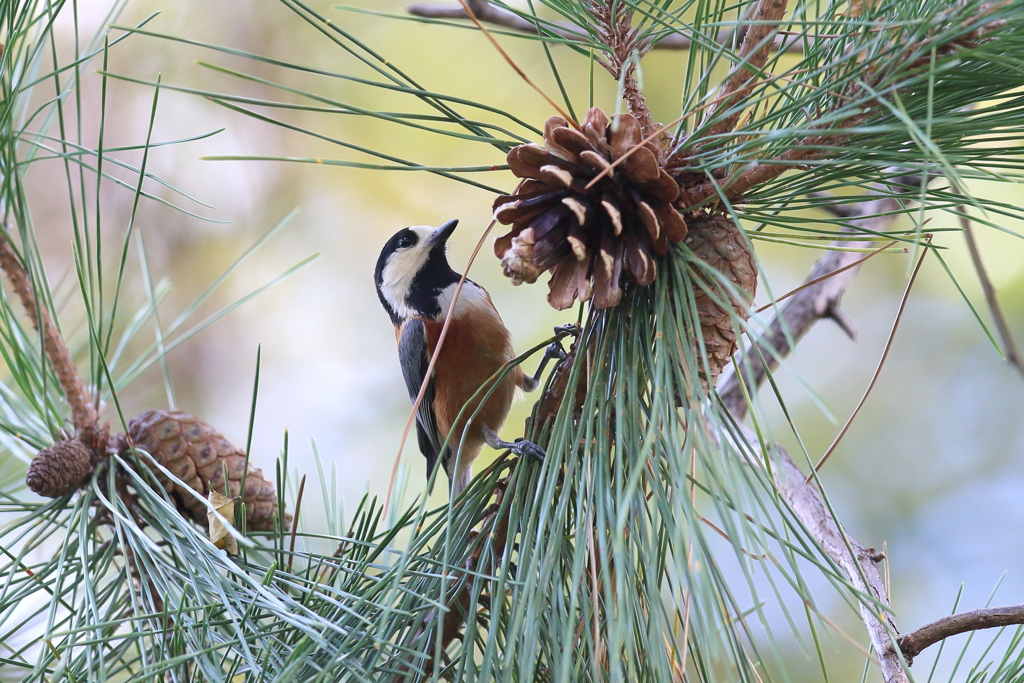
[{"x": 932, "y": 469}]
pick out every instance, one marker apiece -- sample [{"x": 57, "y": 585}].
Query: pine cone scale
[
  {"x": 643, "y": 166},
  {"x": 553, "y": 175},
  {"x": 569, "y": 140}
]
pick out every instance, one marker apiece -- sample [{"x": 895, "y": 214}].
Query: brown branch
[
  {"x": 753, "y": 55},
  {"x": 1010, "y": 351},
  {"x": 738, "y": 183},
  {"x": 83, "y": 412},
  {"x": 913, "y": 643}
]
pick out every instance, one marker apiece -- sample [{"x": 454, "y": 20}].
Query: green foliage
[{"x": 651, "y": 544}]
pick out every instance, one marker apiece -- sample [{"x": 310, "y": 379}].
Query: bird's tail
[{"x": 460, "y": 477}]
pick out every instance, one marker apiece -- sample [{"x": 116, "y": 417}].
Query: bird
[{"x": 416, "y": 286}]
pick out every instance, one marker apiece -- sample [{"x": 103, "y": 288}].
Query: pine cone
[
  {"x": 586, "y": 237},
  {"x": 719, "y": 242},
  {"x": 199, "y": 455},
  {"x": 60, "y": 469}
]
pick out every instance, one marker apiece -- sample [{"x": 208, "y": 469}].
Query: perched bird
[{"x": 416, "y": 286}]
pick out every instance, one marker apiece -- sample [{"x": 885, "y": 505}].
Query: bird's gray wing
[{"x": 413, "y": 356}]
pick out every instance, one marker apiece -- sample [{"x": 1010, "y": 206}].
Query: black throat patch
[{"x": 428, "y": 284}]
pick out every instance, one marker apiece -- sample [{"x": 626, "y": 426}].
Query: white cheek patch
[
  {"x": 401, "y": 269},
  {"x": 398, "y": 305},
  {"x": 398, "y": 275}
]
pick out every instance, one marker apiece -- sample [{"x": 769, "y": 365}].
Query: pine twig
[
  {"x": 762, "y": 172},
  {"x": 623, "y": 53},
  {"x": 635, "y": 98},
  {"x": 913, "y": 643},
  {"x": 857, "y": 562},
  {"x": 83, "y": 412},
  {"x": 833, "y": 126},
  {"x": 807, "y": 307},
  {"x": 490, "y": 14},
  {"x": 753, "y": 55}
]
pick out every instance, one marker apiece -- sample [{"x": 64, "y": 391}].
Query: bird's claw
[
  {"x": 555, "y": 350},
  {"x": 528, "y": 449},
  {"x": 566, "y": 330}
]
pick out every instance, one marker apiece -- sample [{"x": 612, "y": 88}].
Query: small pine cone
[
  {"x": 589, "y": 238},
  {"x": 200, "y": 456},
  {"x": 60, "y": 469},
  {"x": 719, "y": 242}
]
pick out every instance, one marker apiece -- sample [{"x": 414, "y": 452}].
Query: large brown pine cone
[
  {"x": 200, "y": 456},
  {"x": 587, "y": 237},
  {"x": 720, "y": 243}
]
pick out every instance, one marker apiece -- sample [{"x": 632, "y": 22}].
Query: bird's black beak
[{"x": 442, "y": 234}]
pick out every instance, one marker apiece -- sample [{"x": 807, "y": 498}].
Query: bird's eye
[{"x": 404, "y": 242}]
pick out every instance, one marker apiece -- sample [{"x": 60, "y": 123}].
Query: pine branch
[
  {"x": 622, "y": 56},
  {"x": 856, "y": 561},
  {"x": 913, "y": 643},
  {"x": 753, "y": 56},
  {"x": 490, "y": 14},
  {"x": 806, "y": 150},
  {"x": 798, "y": 315},
  {"x": 83, "y": 412},
  {"x": 812, "y": 303},
  {"x": 857, "y": 102}
]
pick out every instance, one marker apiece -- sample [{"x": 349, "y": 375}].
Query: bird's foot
[
  {"x": 554, "y": 351},
  {"x": 527, "y": 449},
  {"x": 566, "y": 330},
  {"x": 520, "y": 447}
]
